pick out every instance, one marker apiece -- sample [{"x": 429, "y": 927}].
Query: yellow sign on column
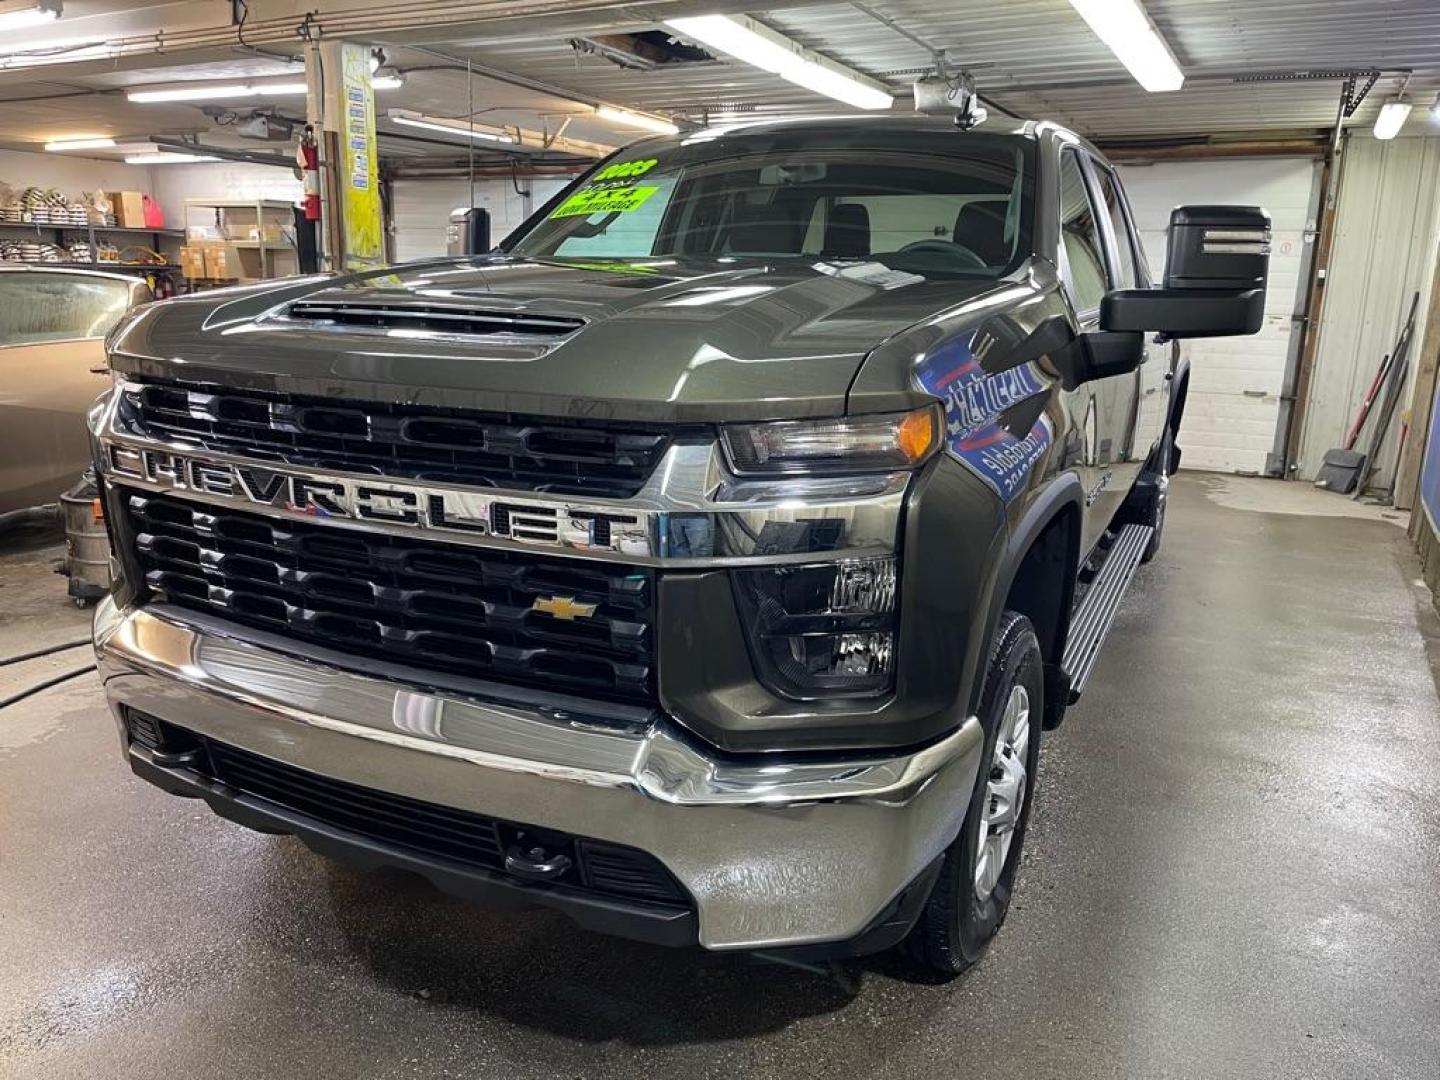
[{"x": 360, "y": 170}]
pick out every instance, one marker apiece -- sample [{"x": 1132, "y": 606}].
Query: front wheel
[{"x": 972, "y": 894}]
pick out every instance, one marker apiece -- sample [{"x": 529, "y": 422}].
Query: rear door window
[{"x": 1085, "y": 276}]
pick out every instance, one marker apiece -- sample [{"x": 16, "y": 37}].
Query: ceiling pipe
[
  {"x": 938, "y": 56},
  {"x": 346, "y": 22},
  {"x": 1291, "y": 147},
  {"x": 249, "y": 157},
  {"x": 416, "y": 170},
  {"x": 511, "y": 78}
]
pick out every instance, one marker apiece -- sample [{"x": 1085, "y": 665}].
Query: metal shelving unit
[
  {"x": 130, "y": 267},
  {"x": 53, "y": 233},
  {"x": 241, "y": 214}
]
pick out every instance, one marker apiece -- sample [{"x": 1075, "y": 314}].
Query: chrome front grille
[
  {"x": 555, "y": 624},
  {"x": 419, "y": 442}
]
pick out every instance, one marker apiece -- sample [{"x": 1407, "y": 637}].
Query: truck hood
[{"x": 646, "y": 339}]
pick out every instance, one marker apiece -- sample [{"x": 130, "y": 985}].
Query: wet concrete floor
[{"x": 1234, "y": 871}]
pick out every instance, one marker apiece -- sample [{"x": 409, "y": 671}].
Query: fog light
[{"x": 822, "y": 629}]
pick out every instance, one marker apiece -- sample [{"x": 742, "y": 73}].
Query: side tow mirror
[
  {"x": 1110, "y": 353},
  {"x": 1078, "y": 358},
  {"x": 1216, "y": 271}
]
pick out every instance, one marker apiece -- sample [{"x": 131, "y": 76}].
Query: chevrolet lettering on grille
[{"x": 384, "y": 501}]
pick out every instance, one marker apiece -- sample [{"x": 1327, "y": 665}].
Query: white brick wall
[{"x": 1233, "y": 404}]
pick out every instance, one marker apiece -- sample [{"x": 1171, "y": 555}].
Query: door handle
[{"x": 103, "y": 370}]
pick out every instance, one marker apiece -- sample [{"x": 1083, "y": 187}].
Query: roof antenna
[{"x": 946, "y": 94}]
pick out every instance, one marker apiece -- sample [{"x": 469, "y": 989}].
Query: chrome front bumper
[{"x": 774, "y": 854}]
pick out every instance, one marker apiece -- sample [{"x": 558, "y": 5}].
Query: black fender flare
[
  {"x": 1058, "y": 495},
  {"x": 1177, "y": 398}
]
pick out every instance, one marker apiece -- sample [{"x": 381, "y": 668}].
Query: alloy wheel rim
[{"x": 1005, "y": 791}]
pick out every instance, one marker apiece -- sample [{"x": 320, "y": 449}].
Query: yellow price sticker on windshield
[
  {"x": 626, "y": 170},
  {"x": 619, "y": 200}
]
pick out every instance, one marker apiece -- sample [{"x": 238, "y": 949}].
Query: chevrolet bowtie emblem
[{"x": 563, "y": 607}]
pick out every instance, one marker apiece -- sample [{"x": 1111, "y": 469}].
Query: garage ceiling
[
  {"x": 1037, "y": 58},
  {"x": 1029, "y": 57}
]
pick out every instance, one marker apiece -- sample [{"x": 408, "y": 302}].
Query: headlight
[
  {"x": 822, "y": 629},
  {"x": 884, "y": 442}
]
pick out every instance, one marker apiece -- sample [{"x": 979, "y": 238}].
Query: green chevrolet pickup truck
[{"x": 705, "y": 562}]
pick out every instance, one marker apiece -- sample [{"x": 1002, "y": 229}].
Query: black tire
[
  {"x": 956, "y": 926},
  {"x": 1162, "y": 469}
]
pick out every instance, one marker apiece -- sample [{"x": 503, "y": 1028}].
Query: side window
[
  {"x": 1120, "y": 223},
  {"x": 39, "y": 307},
  {"x": 1080, "y": 234}
]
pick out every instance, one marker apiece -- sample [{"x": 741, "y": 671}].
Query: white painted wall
[
  {"x": 173, "y": 184},
  {"x": 422, "y": 209},
  {"x": 1233, "y": 405},
  {"x": 70, "y": 174}
]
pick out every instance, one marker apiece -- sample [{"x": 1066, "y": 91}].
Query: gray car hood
[{"x": 661, "y": 340}]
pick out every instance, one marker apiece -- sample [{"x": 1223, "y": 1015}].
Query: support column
[{"x": 342, "y": 108}]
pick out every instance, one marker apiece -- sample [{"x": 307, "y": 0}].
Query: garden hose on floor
[{"x": 54, "y": 680}]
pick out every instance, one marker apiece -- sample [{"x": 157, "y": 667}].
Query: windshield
[
  {"x": 965, "y": 213},
  {"x": 39, "y": 307}
]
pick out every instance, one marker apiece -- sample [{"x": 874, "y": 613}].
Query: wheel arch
[{"x": 1037, "y": 578}]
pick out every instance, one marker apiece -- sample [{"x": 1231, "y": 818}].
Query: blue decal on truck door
[{"x": 995, "y": 423}]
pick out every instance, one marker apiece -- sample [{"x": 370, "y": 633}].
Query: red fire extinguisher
[{"x": 308, "y": 155}]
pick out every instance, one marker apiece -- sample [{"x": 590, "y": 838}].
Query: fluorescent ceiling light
[
  {"x": 1393, "y": 115},
  {"x": 754, "y": 43},
  {"x": 387, "y": 82},
  {"x": 1128, "y": 32},
  {"x": 217, "y": 92},
  {"x": 87, "y": 142},
  {"x": 449, "y": 127},
  {"x": 167, "y": 157},
  {"x": 28, "y": 15},
  {"x": 626, "y": 118}
]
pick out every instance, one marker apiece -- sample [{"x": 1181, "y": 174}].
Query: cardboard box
[
  {"x": 269, "y": 232},
  {"x": 192, "y": 261},
  {"x": 129, "y": 207},
  {"x": 222, "y": 261}
]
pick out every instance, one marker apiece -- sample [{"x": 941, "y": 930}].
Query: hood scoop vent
[{"x": 450, "y": 320}]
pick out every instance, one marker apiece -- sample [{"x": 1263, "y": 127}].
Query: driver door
[{"x": 1101, "y": 411}]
